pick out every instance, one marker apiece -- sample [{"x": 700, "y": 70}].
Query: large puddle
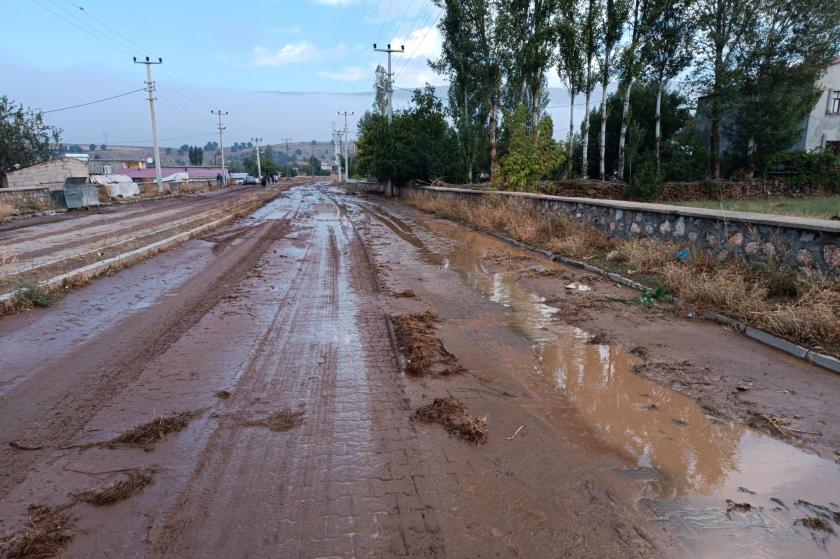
[{"x": 695, "y": 463}]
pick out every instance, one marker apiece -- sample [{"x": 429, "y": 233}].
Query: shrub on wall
[{"x": 532, "y": 154}]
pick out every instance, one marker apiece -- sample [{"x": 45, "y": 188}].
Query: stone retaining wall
[
  {"x": 28, "y": 199},
  {"x": 756, "y": 238}
]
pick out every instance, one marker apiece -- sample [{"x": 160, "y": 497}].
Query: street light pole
[{"x": 346, "y": 160}]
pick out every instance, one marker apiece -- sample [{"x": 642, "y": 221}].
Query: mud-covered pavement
[{"x": 255, "y": 394}]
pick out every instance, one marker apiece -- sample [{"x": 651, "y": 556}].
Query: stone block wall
[
  {"x": 28, "y": 199},
  {"x": 756, "y": 238},
  {"x": 52, "y": 172}
]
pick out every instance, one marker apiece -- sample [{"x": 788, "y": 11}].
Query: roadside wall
[
  {"x": 48, "y": 173},
  {"x": 28, "y": 199},
  {"x": 797, "y": 242}
]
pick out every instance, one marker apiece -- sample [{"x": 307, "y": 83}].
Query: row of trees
[{"x": 757, "y": 62}]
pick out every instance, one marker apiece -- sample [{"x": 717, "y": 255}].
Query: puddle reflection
[{"x": 700, "y": 461}]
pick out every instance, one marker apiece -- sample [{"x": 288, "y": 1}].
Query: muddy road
[{"x": 343, "y": 376}]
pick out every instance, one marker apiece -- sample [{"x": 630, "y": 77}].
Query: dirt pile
[
  {"x": 424, "y": 352},
  {"x": 43, "y": 536},
  {"x": 452, "y": 414},
  {"x": 119, "y": 491}
]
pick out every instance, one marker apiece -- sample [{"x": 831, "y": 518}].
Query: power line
[
  {"x": 126, "y": 142},
  {"x": 417, "y": 46},
  {"x": 94, "y": 102}
]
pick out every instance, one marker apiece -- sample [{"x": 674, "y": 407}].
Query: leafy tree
[
  {"x": 168, "y": 151},
  {"x": 778, "y": 72},
  {"x": 667, "y": 52},
  {"x": 183, "y": 149},
  {"x": 611, "y": 24},
  {"x": 723, "y": 26},
  {"x": 531, "y": 155},
  {"x": 631, "y": 65},
  {"x": 592, "y": 37},
  {"x": 570, "y": 65},
  {"x": 75, "y": 148},
  {"x": 92, "y": 147},
  {"x": 103, "y": 147},
  {"x": 196, "y": 155},
  {"x": 209, "y": 146},
  {"x": 24, "y": 138},
  {"x": 380, "y": 90}
]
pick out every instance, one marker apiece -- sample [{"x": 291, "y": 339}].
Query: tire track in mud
[
  {"x": 314, "y": 490},
  {"x": 68, "y": 395}
]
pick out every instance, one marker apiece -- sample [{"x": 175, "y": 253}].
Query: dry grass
[
  {"x": 6, "y": 210},
  {"x": 800, "y": 307},
  {"x": 43, "y": 536},
  {"x": 119, "y": 491},
  {"x": 452, "y": 414},
  {"x": 147, "y": 434}
]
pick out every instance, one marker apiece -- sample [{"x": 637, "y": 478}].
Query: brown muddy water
[{"x": 697, "y": 468}]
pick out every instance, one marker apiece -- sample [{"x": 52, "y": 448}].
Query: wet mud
[{"x": 291, "y": 330}]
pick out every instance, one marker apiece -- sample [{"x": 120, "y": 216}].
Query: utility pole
[
  {"x": 390, "y": 92},
  {"x": 287, "y": 144},
  {"x": 336, "y": 135},
  {"x": 346, "y": 160},
  {"x": 150, "y": 88},
  {"x": 257, "y": 146},
  {"x": 220, "y": 114}
]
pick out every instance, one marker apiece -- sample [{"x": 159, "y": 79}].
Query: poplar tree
[
  {"x": 611, "y": 27},
  {"x": 570, "y": 65},
  {"x": 592, "y": 43}
]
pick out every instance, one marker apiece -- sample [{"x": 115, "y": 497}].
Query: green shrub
[
  {"x": 532, "y": 154},
  {"x": 35, "y": 296},
  {"x": 646, "y": 182},
  {"x": 811, "y": 170}
]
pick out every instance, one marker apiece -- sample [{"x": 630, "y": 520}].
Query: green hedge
[{"x": 806, "y": 170}]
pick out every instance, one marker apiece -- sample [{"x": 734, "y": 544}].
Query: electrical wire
[
  {"x": 417, "y": 46},
  {"x": 93, "y": 102}
]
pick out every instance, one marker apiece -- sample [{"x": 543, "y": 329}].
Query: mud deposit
[{"x": 284, "y": 388}]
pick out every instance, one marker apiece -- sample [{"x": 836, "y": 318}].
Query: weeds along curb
[
  {"x": 90, "y": 271},
  {"x": 811, "y": 356}
]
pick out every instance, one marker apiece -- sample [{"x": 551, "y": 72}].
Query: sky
[{"x": 280, "y": 68}]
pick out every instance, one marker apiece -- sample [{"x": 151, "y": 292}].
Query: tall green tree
[
  {"x": 531, "y": 155},
  {"x": 612, "y": 25},
  {"x": 380, "y": 90},
  {"x": 24, "y": 137},
  {"x": 667, "y": 51},
  {"x": 631, "y": 65},
  {"x": 570, "y": 63},
  {"x": 592, "y": 39},
  {"x": 778, "y": 71},
  {"x": 723, "y": 27}
]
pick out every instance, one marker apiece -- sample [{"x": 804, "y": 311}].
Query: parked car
[{"x": 249, "y": 180}]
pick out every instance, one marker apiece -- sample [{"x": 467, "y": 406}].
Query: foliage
[
  {"x": 418, "y": 144},
  {"x": 806, "y": 170},
  {"x": 684, "y": 157},
  {"x": 532, "y": 154},
  {"x": 24, "y": 137},
  {"x": 645, "y": 182},
  {"x": 35, "y": 296},
  {"x": 196, "y": 155},
  {"x": 92, "y": 147}
]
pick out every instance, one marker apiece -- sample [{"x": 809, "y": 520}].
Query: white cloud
[
  {"x": 351, "y": 74},
  {"x": 290, "y": 53},
  {"x": 424, "y": 43}
]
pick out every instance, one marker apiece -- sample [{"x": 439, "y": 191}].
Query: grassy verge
[
  {"x": 800, "y": 307},
  {"x": 821, "y": 207}
]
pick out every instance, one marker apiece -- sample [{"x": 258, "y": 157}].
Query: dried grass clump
[
  {"x": 815, "y": 523},
  {"x": 811, "y": 317},
  {"x": 43, "y": 536},
  {"x": 423, "y": 350},
  {"x": 646, "y": 256},
  {"x": 280, "y": 421},
  {"x": 727, "y": 289},
  {"x": 147, "y": 434},
  {"x": 6, "y": 210},
  {"x": 452, "y": 414},
  {"x": 118, "y": 491}
]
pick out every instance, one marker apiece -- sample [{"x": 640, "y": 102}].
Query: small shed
[{"x": 52, "y": 173}]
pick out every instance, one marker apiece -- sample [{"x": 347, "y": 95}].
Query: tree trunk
[
  {"x": 571, "y": 134},
  {"x": 602, "y": 144},
  {"x": 584, "y": 134},
  {"x": 493, "y": 121},
  {"x": 658, "y": 131},
  {"x": 625, "y": 122},
  {"x": 714, "y": 121}
]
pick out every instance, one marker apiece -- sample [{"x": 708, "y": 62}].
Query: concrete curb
[
  {"x": 90, "y": 271},
  {"x": 811, "y": 356}
]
